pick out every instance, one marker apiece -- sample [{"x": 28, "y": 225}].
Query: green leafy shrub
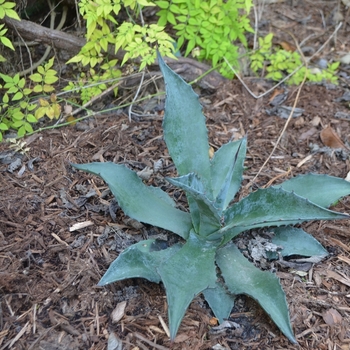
[
  {"x": 18, "y": 109},
  {"x": 102, "y": 30},
  {"x": 6, "y": 9},
  {"x": 211, "y": 25},
  {"x": 105, "y": 35},
  {"x": 280, "y": 63},
  {"x": 208, "y": 262}
]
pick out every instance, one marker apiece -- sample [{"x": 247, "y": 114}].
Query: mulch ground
[{"x": 60, "y": 228}]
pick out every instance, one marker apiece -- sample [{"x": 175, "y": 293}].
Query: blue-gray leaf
[
  {"x": 323, "y": 190},
  {"x": 184, "y": 127},
  {"x": 143, "y": 203},
  {"x": 139, "y": 260},
  {"x": 242, "y": 277}
]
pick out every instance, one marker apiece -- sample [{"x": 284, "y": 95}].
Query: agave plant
[{"x": 207, "y": 261}]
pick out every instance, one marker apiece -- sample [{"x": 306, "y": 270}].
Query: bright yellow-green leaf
[
  {"x": 6, "y": 42},
  {"x": 15, "y": 79},
  {"x": 50, "y": 79},
  {"x": 21, "y": 131},
  {"x": 27, "y": 91},
  {"x": 17, "y": 96},
  {"x": 31, "y": 107},
  {"x": 38, "y": 88},
  {"x": 145, "y": 3},
  {"x": 40, "y": 112},
  {"x": 75, "y": 59},
  {"x": 23, "y": 104},
  {"x": 17, "y": 124},
  {"x": 163, "y": 4},
  {"x": 28, "y": 127},
  {"x": 11, "y": 90},
  {"x": 18, "y": 114},
  {"x": 36, "y": 77},
  {"x": 31, "y": 118},
  {"x": 49, "y": 64},
  {"x": 6, "y": 99},
  {"x": 3, "y": 126},
  {"x": 41, "y": 70},
  {"x": 171, "y": 18}
]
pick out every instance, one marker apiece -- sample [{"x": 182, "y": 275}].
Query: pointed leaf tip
[{"x": 185, "y": 132}]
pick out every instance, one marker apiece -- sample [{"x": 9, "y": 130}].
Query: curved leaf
[
  {"x": 220, "y": 301},
  {"x": 242, "y": 277},
  {"x": 290, "y": 237},
  {"x": 184, "y": 127},
  {"x": 139, "y": 260},
  {"x": 146, "y": 204},
  {"x": 322, "y": 190},
  {"x": 227, "y": 170},
  {"x": 185, "y": 274},
  {"x": 209, "y": 219},
  {"x": 275, "y": 207}
]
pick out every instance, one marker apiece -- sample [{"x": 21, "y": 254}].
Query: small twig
[
  {"x": 105, "y": 92},
  {"x": 160, "y": 347},
  {"x": 136, "y": 94},
  {"x": 256, "y": 24}
]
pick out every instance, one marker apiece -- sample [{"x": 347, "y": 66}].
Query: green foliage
[
  {"x": 208, "y": 261},
  {"x": 105, "y": 35},
  {"x": 18, "y": 110},
  {"x": 280, "y": 63},
  {"x": 103, "y": 30},
  {"x": 6, "y": 10},
  {"x": 208, "y": 28},
  {"x": 95, "y": 81}
]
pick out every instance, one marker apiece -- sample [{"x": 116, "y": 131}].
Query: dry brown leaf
[
  {"x": 330, "y": 138},
  {"x": 287, "y": 46},
  {"x": 332, "y": 317},
  {"x": 118, "y": 313}
]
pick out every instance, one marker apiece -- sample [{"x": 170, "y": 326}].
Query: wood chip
[
  {"x": 344, "y": 258},
  {"x": 118, "y": 313},
  {"x": 332, "y": 317},
  {"x": 80, "y": 225},
  {"x": 338, "y": 277}
]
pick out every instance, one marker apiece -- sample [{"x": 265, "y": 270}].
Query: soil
[{"x": 60, "y": 228}]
